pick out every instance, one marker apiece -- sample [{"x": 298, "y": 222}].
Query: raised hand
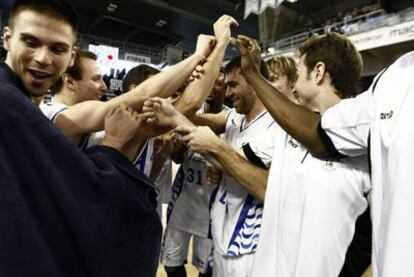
[
  {"x": 199, "y": 139},
  {"x": 250, "y": 54},
  {"x": 121, "y": 125},
  {"x": 222, "y": 30},
  {"x": 159, "y": 111},
  {"x": 205, "y": 45}
]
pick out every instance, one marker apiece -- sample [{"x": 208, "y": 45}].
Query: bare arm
[
  {"x": 250, "y": 176},
  {"x": 161, "y": 112},
  {"x": 216, "y": 122},
  {"x": 89, "y": 116},
  {"x": 198, "y": 90},
  {"x": 299, "y": 122}
]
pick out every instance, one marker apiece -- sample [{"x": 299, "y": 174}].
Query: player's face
[
  {"x": 40, "y": 48},
  {"x": 218, "y": 90},
  {"x": 304, "y": 86},
  {"x": 91, "y": 86},
  {"x": 280, "y": 81},
  {"x": 240, "y": 92}
]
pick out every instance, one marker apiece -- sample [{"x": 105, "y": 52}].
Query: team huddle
[{"x": 271, "y": 186}]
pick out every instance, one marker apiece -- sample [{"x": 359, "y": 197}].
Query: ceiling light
[
  {"x": 160, "y": 23},
  {"x": 112, "y": 7}
]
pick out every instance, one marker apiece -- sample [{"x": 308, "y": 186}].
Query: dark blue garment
[{"x": 64, "y": 212}]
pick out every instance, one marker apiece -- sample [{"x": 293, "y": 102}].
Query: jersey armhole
[
  {"x": 327, "y": 142},
  {"x": 251, "y": 156}
]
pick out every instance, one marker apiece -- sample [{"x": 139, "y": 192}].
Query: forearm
[
  {"x": 297, "y": 121},
  {"x": 197, "y": 91},
  {"x": 81, "y": 119},
  {"x": 216, "y": 122},
  {"x": 167, "y": 82},
  {"x": 251, "y": 177},
  {"x": 162, "y": 85},
  {"x": 181, "y": 120}
]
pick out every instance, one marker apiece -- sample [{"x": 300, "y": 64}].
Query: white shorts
[
  {"x": 175, "y": 245},
  {"x": 226, "y": 266}
]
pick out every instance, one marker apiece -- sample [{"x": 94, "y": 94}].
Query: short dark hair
[
  {"x": 341, "y": 59},
  {"x": 137, "y": 75},
  {"x": 235, "y": 63},
  {"x": 61, "y": 9},
  {"x": 74, "y": 71}
]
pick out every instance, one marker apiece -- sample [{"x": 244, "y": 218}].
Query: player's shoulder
[{"x": 51, "y": 110}]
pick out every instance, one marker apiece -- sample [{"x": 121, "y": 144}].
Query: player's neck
[
  {"x": 257, "y": 109},
  {"x": 63, "y": 98},
  {"x": 329, "y": 99}
]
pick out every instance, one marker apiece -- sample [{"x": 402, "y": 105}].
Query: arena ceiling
[{"x": 157, "y": 23}]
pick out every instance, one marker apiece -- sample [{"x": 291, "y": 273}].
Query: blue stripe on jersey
[
  {"x": 140, "y": 162},
  {"x": 246, "y": 234},
  {"x": 223, "y": 198},
  {"x": 177, "y": 187},
  {"x": 210, "y": 205}
]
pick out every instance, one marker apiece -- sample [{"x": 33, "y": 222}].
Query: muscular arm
[
  {"x": 89, "y": 116},
  {"x": 250, "y": 176},
  {"x": 216, "y": 122},
  {"x": 197, "y": 91}
]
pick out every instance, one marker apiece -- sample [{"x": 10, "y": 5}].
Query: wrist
[
  {"x": 197, "y": 56},
  {"x": 112, "y": 142},
  {"x": 223, "y": 42},
  {"x": 179, "y": 119},
  {"x": 218, "y": 146},
  {"x": 251, "y": 73}
]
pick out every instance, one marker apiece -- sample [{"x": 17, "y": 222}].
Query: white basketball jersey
[
  {"x": 310, "y": 210},
  {"x": 144, "y": 160},
  {"x": 235, "y": 214},
  {"x": 387, "y": 110},
  {"x": 188, "y": 208}
]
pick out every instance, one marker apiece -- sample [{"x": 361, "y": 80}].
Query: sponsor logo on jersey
[
  {"x": 292, "y": 143},
  {"x": 388, "y": 115}
]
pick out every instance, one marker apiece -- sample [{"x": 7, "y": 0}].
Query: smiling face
[
  {"x": 91, "y": 85},
  {"x": 40, "y": 48},
  {"x": 240, "y": 92}
]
